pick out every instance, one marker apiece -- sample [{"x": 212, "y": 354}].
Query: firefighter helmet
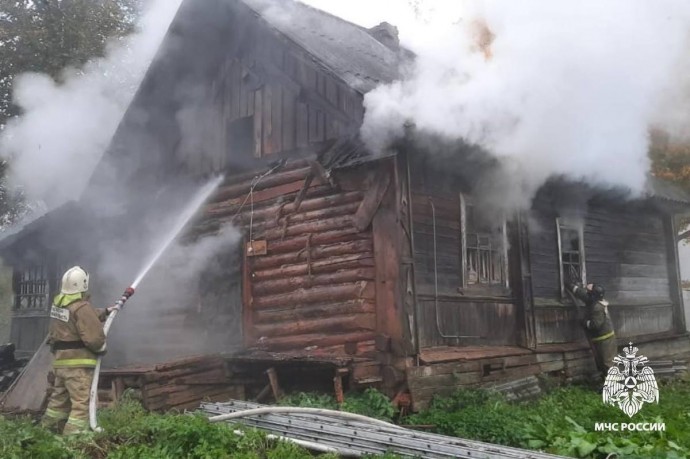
[
  {"x": 75, "y": 280},
  {"x": 597, "y": 292}
]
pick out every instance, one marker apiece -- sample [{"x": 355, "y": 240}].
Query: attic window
[
  {"x": 32, "y": 288},
  {"x": 484, "y": 248},
  {"x": 571, "y": 252}
]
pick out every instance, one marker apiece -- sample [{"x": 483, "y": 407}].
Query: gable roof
[{"x": 346, "y": 49}]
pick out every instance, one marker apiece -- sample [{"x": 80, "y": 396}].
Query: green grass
[
  {"x": 131, "y": 432},
  {"x": 560, "y": 422}
]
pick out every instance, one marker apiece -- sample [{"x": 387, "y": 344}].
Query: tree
[
  {"x": 671, "y": 162},
  {"x": 48, "y": 36}
]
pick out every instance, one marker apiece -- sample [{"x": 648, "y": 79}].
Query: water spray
[{"x": 185, "y": 217}]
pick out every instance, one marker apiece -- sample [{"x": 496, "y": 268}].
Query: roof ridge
[{"x": 365, "y": 29}]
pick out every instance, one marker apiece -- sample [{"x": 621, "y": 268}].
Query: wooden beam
[
  {"x": 387, "y": 248},
  {"x": 273, "y": 380},
  {"x": 674, "y": 277},
  {"x": 372, "y": 200}
]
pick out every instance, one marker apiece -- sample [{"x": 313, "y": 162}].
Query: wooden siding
[
  {"x": 625, "y": 251},
  {"x": 315, "y": 283},
  {"x": 447, "y": 316},
  {"x": 291, "y": 101}
]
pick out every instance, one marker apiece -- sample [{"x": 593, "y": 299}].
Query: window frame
[
  {"x": 503, "y": 288},
  {"x": 564, "y": 223},
  {"x": 45, "y": 279}
]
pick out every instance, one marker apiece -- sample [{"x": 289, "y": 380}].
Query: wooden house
[{"x": 382, "y": 265}]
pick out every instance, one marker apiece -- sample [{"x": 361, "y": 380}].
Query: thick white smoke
[
  {"x": 64, "y": 129},
  {"x": 550, "y": 87}
]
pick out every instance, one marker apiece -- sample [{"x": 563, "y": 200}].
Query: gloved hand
[{"x": 129, "y": 291}]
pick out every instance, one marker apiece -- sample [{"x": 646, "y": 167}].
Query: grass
[{"x": 560, "y": 422}]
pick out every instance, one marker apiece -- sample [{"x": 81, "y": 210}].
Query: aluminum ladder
[{"x": 355, "y": 438}]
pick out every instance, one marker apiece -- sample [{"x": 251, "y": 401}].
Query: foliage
[
  {"x": 562, "y": 422},
  {"x": 131, "y": 432},
  {"x": 48, "y": 36},
  {"x": 671, "y": 162},
  {"x": 370, "y": 403}
]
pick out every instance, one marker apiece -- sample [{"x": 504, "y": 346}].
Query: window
[
  {"x": 32, "y": 288},
  {"x": 571, "y": 252},
  {"x": 484, "y": 247}
]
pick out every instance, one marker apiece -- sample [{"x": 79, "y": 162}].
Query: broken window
[
  {"x": 484, "y": 247},
  {"x": 571, "y": 252},
  {"x": 32, "y": 288}
]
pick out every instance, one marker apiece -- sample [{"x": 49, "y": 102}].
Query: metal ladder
[{"x": 354, "y": 438}]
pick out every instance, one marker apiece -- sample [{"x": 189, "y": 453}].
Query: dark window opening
[
  {"x": 32, "y": 288},
  {"x": 570, "y": 253},
  {"x": 240, "y": 140},
  {"x": 484, "y": 254}
]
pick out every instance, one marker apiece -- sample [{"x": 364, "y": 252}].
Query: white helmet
[{"x": 75, "y": 280}]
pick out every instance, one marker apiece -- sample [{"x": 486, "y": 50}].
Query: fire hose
[{"x": 93, "y": 395}]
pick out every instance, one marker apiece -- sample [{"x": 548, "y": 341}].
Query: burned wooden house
[{"x": 381, "y": 266}]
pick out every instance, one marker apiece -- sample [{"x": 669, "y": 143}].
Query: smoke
[
  {"x": 65, "y": 127},
  {"x": 185, "y": 305},
  {"x": 550, "y": 88}
]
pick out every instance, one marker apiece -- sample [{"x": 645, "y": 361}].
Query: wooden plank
[
  {"x": 313, "y": 124},
  {"x": 445, "y": 354},
  {"x": 443, "y": 381},
  {"x": 445, "y": 368},
  {"x": 301, "y": 125},
  {"x": 269, "y": 147},
  {"x": 276, "y": 119},
  {"x": 288, "y": 130},
  {"x": 247, "y": 306},
  {"x": 316, "y": 339},
  {"x": 29, "y": 390},
  {"x": 258, "y": 123},
  {"x": 372, "y": 200},
  {"x": 387, "y": 249}
]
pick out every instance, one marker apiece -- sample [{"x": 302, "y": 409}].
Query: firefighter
[
  {"x": 597, "y": 324},
  {"x": 76, "y": 338}
]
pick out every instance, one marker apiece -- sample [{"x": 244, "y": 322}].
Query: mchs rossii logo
[{"x": 629, "y": 384}]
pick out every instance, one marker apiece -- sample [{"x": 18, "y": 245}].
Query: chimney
[{"x": 387, "y": 34}]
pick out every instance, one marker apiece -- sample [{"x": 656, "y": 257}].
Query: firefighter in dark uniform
[{"x": 597, "y": 324}]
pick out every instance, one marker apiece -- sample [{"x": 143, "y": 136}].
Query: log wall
[{"x": 314, "y": 284}]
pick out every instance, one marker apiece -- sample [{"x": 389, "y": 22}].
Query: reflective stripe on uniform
[
  {"x": 74, "y": 362},
  {"x": 603, "y": 337},
  {"x": 62, "y": 300},
  {"x": 55, "y": 414}
]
